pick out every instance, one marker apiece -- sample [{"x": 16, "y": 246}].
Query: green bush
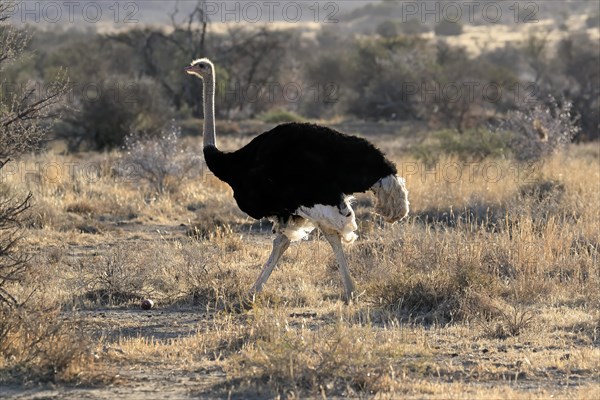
[
  {"x": 470, "y": 145},
  {"x": 448, "y": 28},
  {"x": 387, "y": 29},
  {"x": 414, "y": 27},
  {"x": 593, "y": 21},
  {"x": 103, "y": 119},
  {"x": 279, "y": 116}
]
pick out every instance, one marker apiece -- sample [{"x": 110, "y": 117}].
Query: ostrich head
[{"x": 203, "y": 68}]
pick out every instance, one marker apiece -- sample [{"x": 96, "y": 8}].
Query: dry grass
[
  {"x": 43, "y": 347},
  {"x": 490, "y": 289}
]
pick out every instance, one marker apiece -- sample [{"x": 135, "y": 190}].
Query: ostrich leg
[
  {"x": 280, "y": 245},
  {"x": 336, "y": 244}
]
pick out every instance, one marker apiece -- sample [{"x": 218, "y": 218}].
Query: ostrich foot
[{"x": 354, "y": 297}]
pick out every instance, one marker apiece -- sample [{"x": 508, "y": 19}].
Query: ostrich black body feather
[{"x": 296, "y": 165}]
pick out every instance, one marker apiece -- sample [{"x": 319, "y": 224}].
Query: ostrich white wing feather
[{"x": 333, "y": 218}]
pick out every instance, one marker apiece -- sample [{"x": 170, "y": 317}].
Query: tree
[
  {"x": 162, "y": 53},
  {"x": 580, "y": 57},
  {"x": 448, "y": 28},
  {"x": 387, "y": 29},
  {"x": 248, "y": 61},
  {"x": 414, "y": 27},
  {"x": 449, "y": 103},
  {"x": 26, "y": 113},
  {"x": 373, "y": 64},
  {"x": 251, "y": 62},
  {"x": 120, "y": 108},
  {"x": 25, "y": 109}
]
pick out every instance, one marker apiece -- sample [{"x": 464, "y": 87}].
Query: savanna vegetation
[{"x": 490, "y": 289}]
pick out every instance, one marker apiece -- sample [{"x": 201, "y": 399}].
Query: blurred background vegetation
[{"x": 374, "y": 64}]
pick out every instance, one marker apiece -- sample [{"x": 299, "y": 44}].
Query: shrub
[
  {"x": 387, "y": 29},
  {"x": 470, "y": 145},
  {"x": 593, "y": 21},
  {"x": 414, "y": 27},
  {"x": 193, "y": 127},
  {"x": 280, "y": 116},
  {"x": 12, "y": 263},
  {"x": 448, "y": 28},
  {"x": 104, "y": 121},
  {"x": 113, "y": 281},
  {"x": 544, "y": 200},
  {"x": 25, "y": 116},
  {"x": 540, "y": 130},
  {"x": 41, "y": 346},
  {"x": 577, "y": 58},
  {"x": 161, "y": 161},
  {"x": 497, "y": 318}
]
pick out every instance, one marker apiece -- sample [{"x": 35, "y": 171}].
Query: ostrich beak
[{"x": 190, "y": 69}]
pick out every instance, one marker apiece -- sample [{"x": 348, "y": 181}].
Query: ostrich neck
[{"x": 208, "y": 89}]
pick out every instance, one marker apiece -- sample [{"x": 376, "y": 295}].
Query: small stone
[{"x": 147, "y": 304}]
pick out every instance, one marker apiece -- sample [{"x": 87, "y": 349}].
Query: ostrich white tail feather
[{"x": 392, "y": 198}]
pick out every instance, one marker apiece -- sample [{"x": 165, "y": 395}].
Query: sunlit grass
[{"x": 489, "y": 289}]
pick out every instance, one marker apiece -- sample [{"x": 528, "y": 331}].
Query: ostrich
[{"x": 301, "y": 176}]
